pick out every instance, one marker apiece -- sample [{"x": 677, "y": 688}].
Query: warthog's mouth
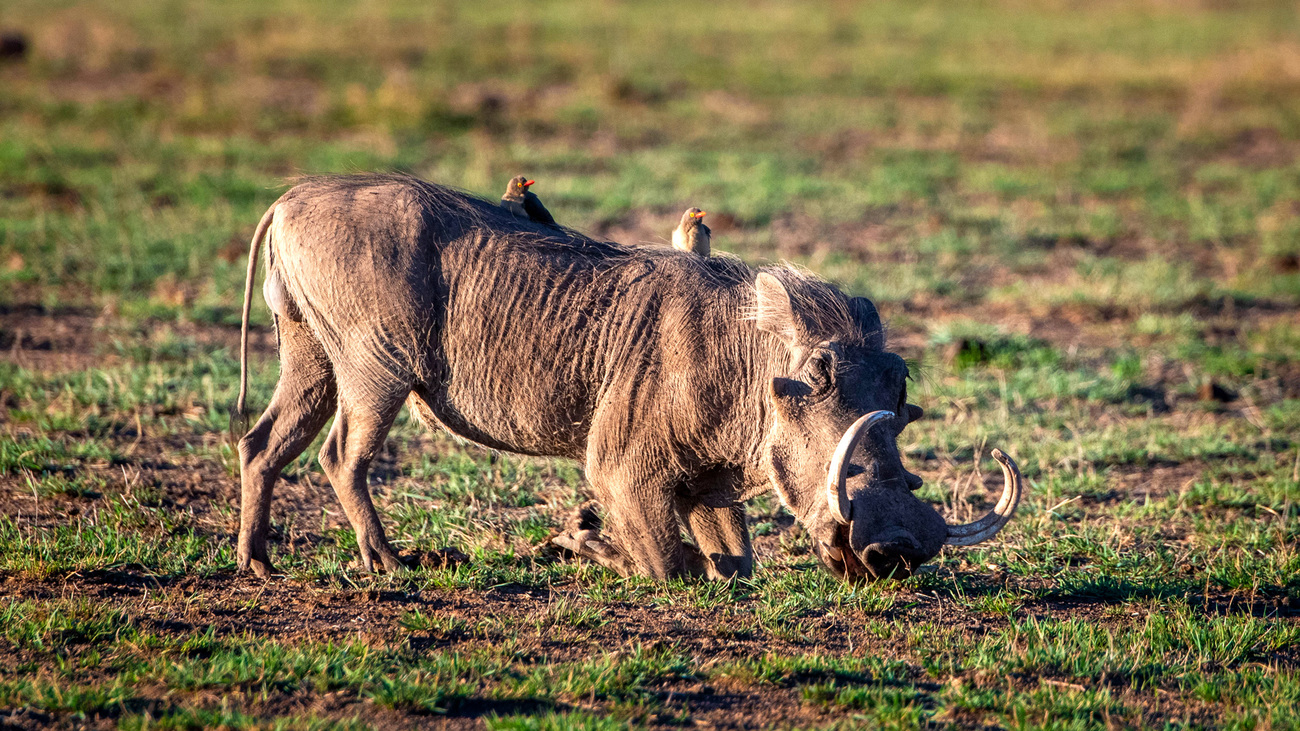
[
  {"x": 896, "y": 559},
  {"x": 839, "y": 558}
]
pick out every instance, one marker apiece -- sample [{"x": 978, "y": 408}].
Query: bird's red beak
[
  {"x": 529, "y": 182},
  {"x": 700, "y": 214}
]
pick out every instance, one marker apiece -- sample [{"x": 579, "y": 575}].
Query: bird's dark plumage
[{"x": 536, "y": 211}]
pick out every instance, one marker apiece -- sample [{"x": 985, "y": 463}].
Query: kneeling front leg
[
  {"x": 722, "y": 537},
  {"x": 640, "y": 534}
]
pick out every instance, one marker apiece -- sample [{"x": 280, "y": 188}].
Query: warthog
[{"x": 685, "y": 385}]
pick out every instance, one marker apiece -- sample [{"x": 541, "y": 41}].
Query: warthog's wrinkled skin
[{"x": 685, "y": 385}]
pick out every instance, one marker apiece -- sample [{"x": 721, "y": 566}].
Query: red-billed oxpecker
[
  {"x": 524, "y": 203},
  {"x": 691, "y": 234}
]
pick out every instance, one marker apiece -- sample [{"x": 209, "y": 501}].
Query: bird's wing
[{"x": 536, "y": 211}]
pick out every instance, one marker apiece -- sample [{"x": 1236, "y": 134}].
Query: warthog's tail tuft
[{"x": 239, "y": 419}]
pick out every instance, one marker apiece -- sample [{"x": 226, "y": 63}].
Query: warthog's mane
[{"x": 825, "y": 310}]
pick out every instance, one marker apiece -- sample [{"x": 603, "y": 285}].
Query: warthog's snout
[
  {"x": 896, "y": 559},
  {"x": 896, "y": 551}
]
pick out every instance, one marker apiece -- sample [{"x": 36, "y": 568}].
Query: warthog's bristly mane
[{"x": 824, "y": 308}]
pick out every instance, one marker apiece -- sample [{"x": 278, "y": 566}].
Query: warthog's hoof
[
  {"x": 260, "y": 568},
  {"x": 576, "y": 541},
  {"x": 583, "y": 525},
  {"x": 386, "y": 564},
  {"x": 251, "y": 553}
]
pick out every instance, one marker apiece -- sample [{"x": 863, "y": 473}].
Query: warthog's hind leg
[
  {"x": 357, "y": 435},
  {"x": 303, "y": 401}
]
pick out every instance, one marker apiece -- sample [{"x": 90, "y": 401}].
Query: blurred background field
[
  {"x": 963, "y": 153},
  {"x": 1082, "y": 221}
]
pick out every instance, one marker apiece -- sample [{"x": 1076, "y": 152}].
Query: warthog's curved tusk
[
  {"x": 837, "y": 491},
  {"x": 968, "y": 534}
]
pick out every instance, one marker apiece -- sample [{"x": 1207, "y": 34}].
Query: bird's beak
[
  {"x": 529, "y": 182},
  {"x": 700, "y": 214}
]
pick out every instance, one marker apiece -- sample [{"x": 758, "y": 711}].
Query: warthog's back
[{"x": 511, "y": 334}]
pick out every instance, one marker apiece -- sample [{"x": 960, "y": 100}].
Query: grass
[{"x": 1078, "y": 220}]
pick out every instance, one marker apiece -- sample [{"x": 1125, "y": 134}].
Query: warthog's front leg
[
  {"x": 582, "y": 538},
  {"x": 589, "y": 545},
  {"x": 722, "y": 538},
  {"x": 723, "y": 550},
  {"x": 640, "y": 535}
]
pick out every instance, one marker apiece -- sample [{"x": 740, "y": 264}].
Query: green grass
[
  {"x": 1155, "y": 567},
  {"x": 1079, "y": 221}
]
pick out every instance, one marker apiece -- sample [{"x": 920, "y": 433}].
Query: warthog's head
[{"x": 832, "y": 449}]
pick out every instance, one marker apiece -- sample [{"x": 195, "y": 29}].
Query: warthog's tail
[{"x": 240, "y": 417}]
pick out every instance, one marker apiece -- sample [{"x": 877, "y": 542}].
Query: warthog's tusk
[
  {"x": 837, "y": 491},
  {"x": 833, "y": 552},
  {"x": 968, "y": 534}
]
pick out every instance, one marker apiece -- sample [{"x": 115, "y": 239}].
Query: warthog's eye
[{"x": 819, "y": 372}]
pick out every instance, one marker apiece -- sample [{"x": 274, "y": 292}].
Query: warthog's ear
[
  {"x": 773, "y": 310},
  {"x": 867, "y": 318}
]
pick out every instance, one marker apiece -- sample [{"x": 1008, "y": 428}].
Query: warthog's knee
[{"x": 329, "y": 457}]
